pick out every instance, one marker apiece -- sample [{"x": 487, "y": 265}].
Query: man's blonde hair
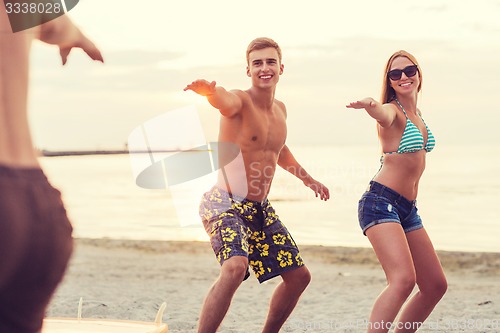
[{"x": 262, "y": 43}]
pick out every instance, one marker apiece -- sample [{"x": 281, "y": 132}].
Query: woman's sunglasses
[{"x": 396, "y": 74}]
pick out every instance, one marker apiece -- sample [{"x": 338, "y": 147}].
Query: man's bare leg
[
  {"x": 285, "y": 297},
  {"x": 221, "y": 293}
]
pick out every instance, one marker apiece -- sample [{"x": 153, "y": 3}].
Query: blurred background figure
[{"x": 35, "y": 234}]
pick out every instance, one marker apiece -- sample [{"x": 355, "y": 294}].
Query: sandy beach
[{"x": 129, "y": 280}]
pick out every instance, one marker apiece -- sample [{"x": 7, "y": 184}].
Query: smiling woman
[{"x": 387, "y": 211}]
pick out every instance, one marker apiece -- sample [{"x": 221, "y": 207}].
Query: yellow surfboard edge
[{"x": 88, "y": 325}]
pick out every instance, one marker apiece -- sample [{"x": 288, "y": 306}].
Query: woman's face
[{"x": 404, "y": 85}]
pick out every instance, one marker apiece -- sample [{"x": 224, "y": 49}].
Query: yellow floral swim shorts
[{"x": 241, "y": 227}]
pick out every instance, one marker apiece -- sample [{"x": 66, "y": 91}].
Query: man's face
[{"x": 264, "y": 67}]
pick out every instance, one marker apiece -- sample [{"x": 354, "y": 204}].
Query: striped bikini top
[{"x": 412, "y": 139}]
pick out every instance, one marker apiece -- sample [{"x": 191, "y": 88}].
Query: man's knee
[
  {"x": 304, "y": 276},
  {"x": 300, "y": 277},
  {"x": 235, "y": 268}
]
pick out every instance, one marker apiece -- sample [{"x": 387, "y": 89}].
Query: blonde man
[{"x": 243, "y": 227}]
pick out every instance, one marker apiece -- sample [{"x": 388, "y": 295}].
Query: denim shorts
[{"x": 380, "y": 204}]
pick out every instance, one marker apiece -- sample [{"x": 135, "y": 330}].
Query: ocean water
[{"x": 458, "y": 199}]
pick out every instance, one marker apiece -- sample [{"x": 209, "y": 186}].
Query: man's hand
[
  {"x": 319, "y": 189},
  {"x": 202, "y": 87},
  {"x": 86, "y": 45},
  {"x": 63, "y": 33}
]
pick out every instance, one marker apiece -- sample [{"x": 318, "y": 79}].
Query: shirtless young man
[
  {"x": 35, "y": 234},
  {"x": 243, "y": 227}
]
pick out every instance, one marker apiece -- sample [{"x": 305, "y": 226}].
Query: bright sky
[{"x": 333, "y": 52}]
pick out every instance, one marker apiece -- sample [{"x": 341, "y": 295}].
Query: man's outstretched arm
[{"x": 229, "y": 103}]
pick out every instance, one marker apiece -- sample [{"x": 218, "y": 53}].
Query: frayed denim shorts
[{"x": 380, "y": 204}]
